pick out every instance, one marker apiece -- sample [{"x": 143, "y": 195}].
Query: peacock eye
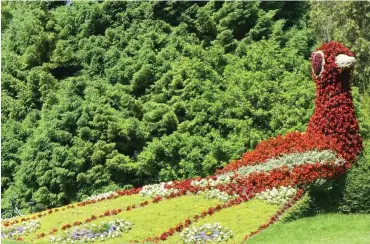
[{"x": 317, "y": 62}]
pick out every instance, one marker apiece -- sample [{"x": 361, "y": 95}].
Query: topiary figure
[{"x": 334, "y": 114}]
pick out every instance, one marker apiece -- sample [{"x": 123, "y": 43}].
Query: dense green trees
[{"x": 99, "y": 96}]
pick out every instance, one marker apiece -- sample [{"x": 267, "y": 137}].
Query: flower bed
[
  {"x": 295, "y": 142},
  {"x": 155, "y": 190},
  {"x": 277, "y": 196},
  {"x": 102, "y": 196},
  {"x": 180, "y": 226},
  {"x": 217, "y": 194},
  {"x": 293, "y": 159},
  {"x": 101, "y": 232},
  {"x": 206, "y": 233},
  {"x": 213, "y": 180},
  {"x": 94, "y": 217},
  {"x": 14, "y": 232}
]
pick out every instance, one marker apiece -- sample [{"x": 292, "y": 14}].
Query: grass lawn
[
  {"x": 11, "y": 242},
  {"x": 321, "y": 229}
]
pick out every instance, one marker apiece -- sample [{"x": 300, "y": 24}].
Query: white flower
[
  {"x": 277, "y": 196},
  {"x": 102, "y": 195},
  {"x": 193, "y": 234}
]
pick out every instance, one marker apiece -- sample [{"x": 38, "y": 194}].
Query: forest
[{"x": 102, "y": 95}]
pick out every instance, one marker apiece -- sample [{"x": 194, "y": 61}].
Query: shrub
[{"x": 356, "y": 197}]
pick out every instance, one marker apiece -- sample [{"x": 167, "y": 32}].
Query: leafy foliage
[
  {"x": 357, "y": 185},
  {"x": 104, "y": 95},
  {"x": 346, "y": 22}
]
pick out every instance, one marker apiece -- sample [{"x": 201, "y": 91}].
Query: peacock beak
[{"x": 344, "y": 61}]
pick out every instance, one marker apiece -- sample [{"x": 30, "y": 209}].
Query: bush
[
  {"x": 301, "y": 209},
  {"x": 356, "y": 197}
]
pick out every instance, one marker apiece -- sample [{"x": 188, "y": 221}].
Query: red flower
[
  {"x": 77, "y": 223},
  {"x": 171, "y": 231},
  {"x": 53, "y": 231},
  {"x": 164, "y": 236},
  {"x": 157, "y": 199},
  {"x": 66, "y": 226},
  {"x": 179, "y": 227},
  {"x": 187, "y": 222}
]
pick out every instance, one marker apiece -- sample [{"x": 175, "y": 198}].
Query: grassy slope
[{"x": 321, "y": 229}]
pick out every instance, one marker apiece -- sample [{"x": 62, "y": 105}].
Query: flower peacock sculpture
[{"x": 279, "y": 169}]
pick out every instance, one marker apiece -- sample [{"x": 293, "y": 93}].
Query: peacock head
[{"x": 331, "y": 63}]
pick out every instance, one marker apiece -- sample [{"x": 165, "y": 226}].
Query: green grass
[
  {"x": 241, "y": 219},
  {"x": 11, "y": 242},
  {"x": 321, "y": 229}
]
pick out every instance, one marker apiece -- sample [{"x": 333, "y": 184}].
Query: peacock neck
[{"x": 335, "y": 115}]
